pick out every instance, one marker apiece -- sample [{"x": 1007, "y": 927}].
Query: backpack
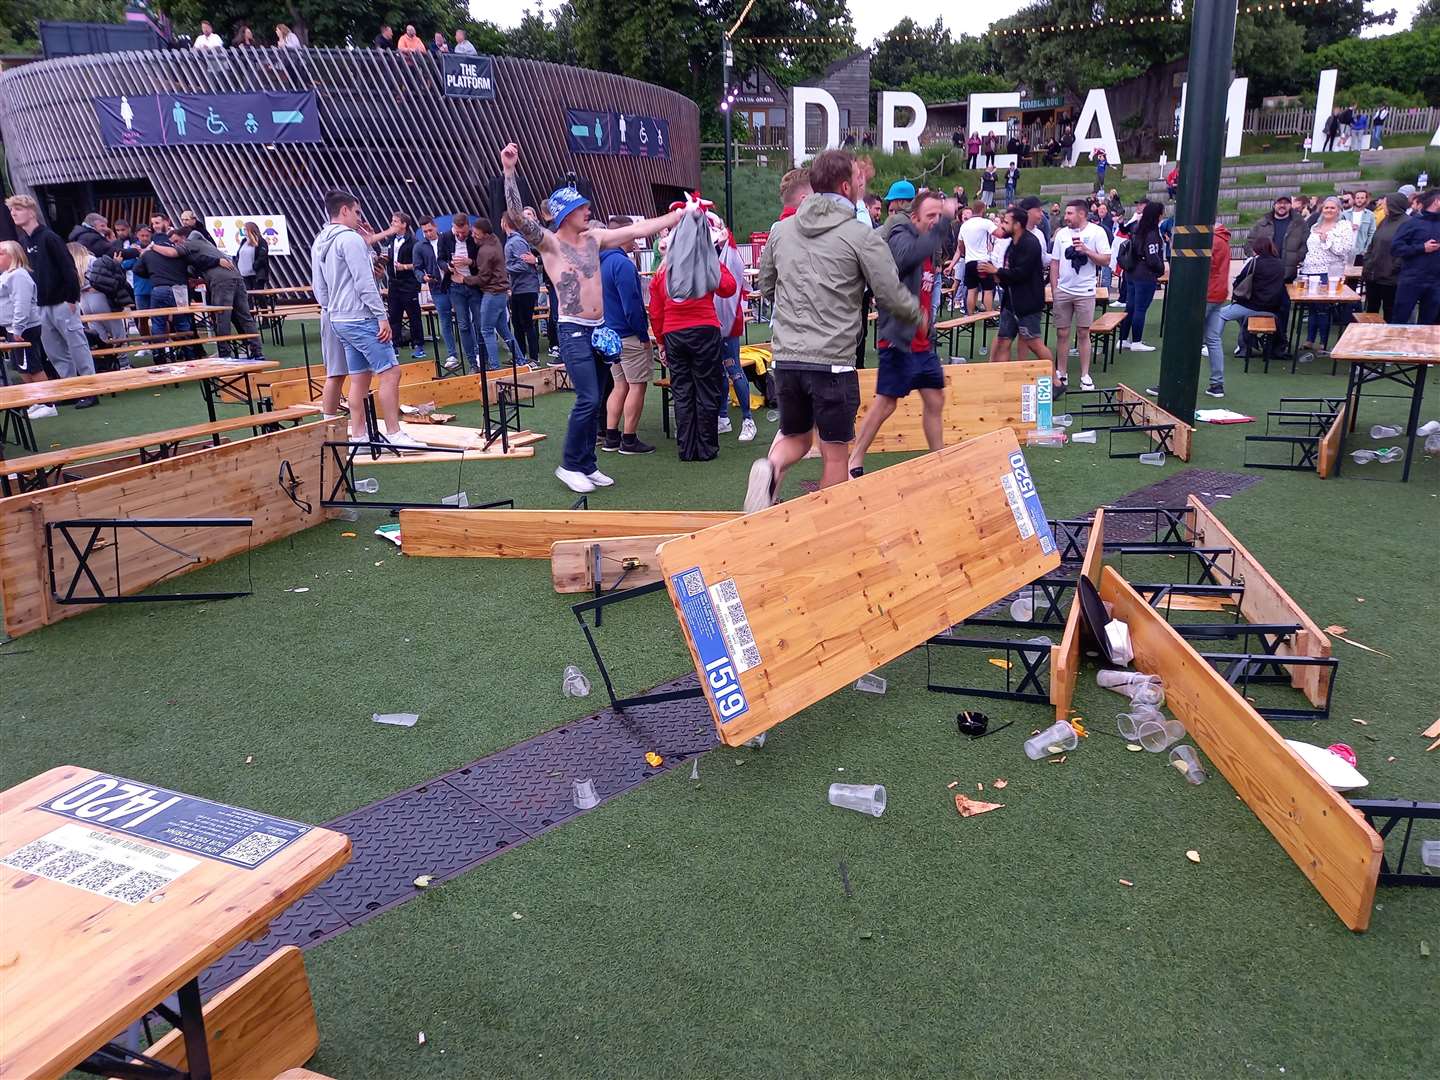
[
  {"x": 1244, "y": 291},
  {"x": 1126, "y": 257}
]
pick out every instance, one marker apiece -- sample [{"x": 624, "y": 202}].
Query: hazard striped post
[{"x": 1212, "y": 47}]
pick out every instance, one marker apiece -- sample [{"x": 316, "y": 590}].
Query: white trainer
[
  {"x": 1140, "y": 346},
  {"x": 42, "y": 412},
  {"x": 401, "y": 441},
  {"x": 758, "y": 494},
  {"x": 747, "y": 430},
  {"x": 1087, "y": 383},
  {"x": 451, "y": 363},
  {"x": 577, "y": 482},
  {"x": 1430, "y": 427},
  {"x": 599, "y": 479},
  {"x": 723, "y": 427}
]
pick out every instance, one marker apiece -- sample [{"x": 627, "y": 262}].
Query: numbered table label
[{"x": 710, "y": 633}]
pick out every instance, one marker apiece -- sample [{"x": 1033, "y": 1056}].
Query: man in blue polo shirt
[{"x": 908, "y": 360}]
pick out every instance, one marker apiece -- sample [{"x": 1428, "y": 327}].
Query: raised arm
[
  {"x": 536, "y": 234},
  {"x": 641, "y": 230}
]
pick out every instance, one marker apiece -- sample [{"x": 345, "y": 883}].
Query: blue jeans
[
  {"x": 363, "y": 351},
  {"x": 469, "y": 317},
  {"x": 1317, "y": 330},
  {"x": 584, "y": 368},
  {"x": 735, "y": 373},
  {"x": 495, "y": 324},
  {"x": 1137, "y": 302},
  {"x": 163, "y": 296},
  {"x": 444, "y": 312},
  {"x": 1421, "y": 295},
  {"x": 1216, "y": 316}
]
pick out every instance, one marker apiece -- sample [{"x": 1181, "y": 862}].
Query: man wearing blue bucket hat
[{"x": 572, "y": 260}]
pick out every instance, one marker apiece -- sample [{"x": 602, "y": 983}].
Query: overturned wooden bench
[
  {"x": 44, "y": 470},
  {"x": 1315, "y": 446}
]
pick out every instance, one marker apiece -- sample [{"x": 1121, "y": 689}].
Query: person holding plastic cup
[{"x": 1327, "y": 253}]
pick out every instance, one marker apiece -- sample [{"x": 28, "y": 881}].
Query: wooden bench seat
[
  {"x": 1260, "y": 324},
  {"x": 1263, "y": 327},
  {"x": 170, "y": 343},
  {"x": 43, "y": 468},
  {"x": 1370, "y": 317},
  {"x": 1102, "y": 336},
  {"x": 951, "y": 328},
  {"x": 301, "y": 1074}
]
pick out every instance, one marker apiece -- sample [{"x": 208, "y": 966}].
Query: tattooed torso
[{"x": 573, "y": 268}]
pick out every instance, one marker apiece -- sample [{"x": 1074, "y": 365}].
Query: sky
[{"x": 874, "y": 17}]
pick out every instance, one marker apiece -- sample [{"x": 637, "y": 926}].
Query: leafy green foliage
[
  {"x": 19, "y": 19},
  {"x": 1410, "y": 62}
]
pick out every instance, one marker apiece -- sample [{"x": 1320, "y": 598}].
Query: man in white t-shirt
[
  {"x": 1078, "y": 248},
  {"x": 207, "y": 38},
  {"x": 976, "y": 235}
]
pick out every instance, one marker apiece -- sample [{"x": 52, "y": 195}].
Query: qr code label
[
  {"x": 253, "y": 848},
  {"x": 735, "y": 625},
  {"x": 99, "y": 863},
  {"x": 693, "y": 583}
]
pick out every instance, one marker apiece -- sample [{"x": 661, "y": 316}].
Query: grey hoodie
[
  {"x": 910, "y": 250},
  {"x": 815, "y": 267},
  {"x": 341, "y": 272}
]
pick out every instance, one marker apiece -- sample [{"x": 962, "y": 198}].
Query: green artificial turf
[{"x": 702, "y": 929}]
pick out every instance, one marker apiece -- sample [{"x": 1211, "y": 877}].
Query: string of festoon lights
[{"x": 1053, "y": 28}]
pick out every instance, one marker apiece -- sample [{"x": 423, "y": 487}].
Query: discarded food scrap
[{"x": 969, "y": 807}]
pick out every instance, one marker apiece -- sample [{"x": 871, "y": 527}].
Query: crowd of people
[
  {"x": 47, "y": 284},
  {"x": 286, "y": 38}
]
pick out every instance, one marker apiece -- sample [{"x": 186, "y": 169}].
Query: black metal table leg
[{"x": 1417, "y": 397}]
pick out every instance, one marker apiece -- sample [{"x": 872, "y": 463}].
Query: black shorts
[
  {"x": 32, "y": 361},
  {"x": 976, "y": 280},
  {"x": 824, "y": 400}
]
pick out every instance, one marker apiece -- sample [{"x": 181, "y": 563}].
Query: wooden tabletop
[
  {"x": 1371, "y": 342},
  {"x": 281, "y": 290},
  {"x": 1343, "y": 295},
  {"x": 145, "y": 313},
  {"x": 78, "y": 965},
  {"x": 51, "y": 391}
]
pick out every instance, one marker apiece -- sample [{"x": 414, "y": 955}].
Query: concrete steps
[
  {"x": 1072, "y": 190},
  {"x": 1386, "y": 157},
  {"x": 1271, "y": 169}
]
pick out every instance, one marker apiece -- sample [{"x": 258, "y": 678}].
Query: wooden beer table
[
  {"x": 215, "y": 376},
  {"x": 1381, "y": 353},
  {"x": 117, "y": 895},
  {"x": 1300, "y": 296}
]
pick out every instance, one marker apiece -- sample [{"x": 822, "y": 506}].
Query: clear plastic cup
[
  {"x": 1430, "y": 853},
  {"x": 1059, "y": 734},
  {"x": 867, "y": 798},
  {"x": 1158, "y": 735},
  {"x": 870, "y": 684},
  {"x": 1157, "y": 458},
  {"x": 1147, "y": 693},
  {"x": 369, "y": 485},
  {"x": 1384, "y": 431},
  {"x": 1049, "y": 437},
  {"x": 1083, "y": 436},
  {"x": 1063, "y": 420},
  {"x": 460, "y": 498},
  {"x": 1022, "y": 609},
  {"x": 574, "y": 683},
  {"x": 1187, "y": 761},
  {"x": 1128, "y": 723},
  {"x": 583, "y": 792}
]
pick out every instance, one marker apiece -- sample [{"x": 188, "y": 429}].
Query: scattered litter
[
  {"x": 969, "y": 807},
  {"x": 870, "y": 684},
  {"x": 1334, "y": 768},
  {"x": 758, "y": 741},
  {"x": 739, "y": 761},
  {"x": 1186, "y": 761},
  {"x": 1193, "y": 855},
  {"x": 367, "y": 486},
  {"x": 381, "y": 561},
  {"x": 1367, "y": 648},
  {"x": 866, "y": 798},
  {"x": 1343, "y": 750},
  {"x": 845, "y": 880},
  {"x": 1157, "y": 458},
  {"x": 1005, "y": 664},
  {"x": 1337, "y": 629},
  {"x": 653, "y": 759},
  {"x": 1135, "y": 747},
  {"x": 1430, "y": 853},
  {"x": 1357, "y": 720},
  {"x": 1360, "y": 599},
  {"x": 421, "y": 1038},
  {"x": 866, "y": 935},
  {"x": 299, "y": 590},
  {"x": 1083, "y": 437},
  {"x": 953, "y": 784},
  {"x": 1392, "y": 756},
  {"x": 979, "y": 787},
  {"x": 389, "y": 532},
  {"x": 1424, "y": 948},
  {"x": 1433, "y": 731},
  {"x": 348, "y": 535},
  {"x": 972, "y": 723},
  {"x": 584, "y": 795},
  {"x": 1055, "y": 739},
  {"x": 1127, "y": 883},
  {"x": 516, "y": 916},
  {"x": 423, "y": 881},
  {"x": 460, "y": 498},
  {"x": 1001, "y": 784},
  {"x": 574, "y": 684},
  {"x": 398, "y": 719},
  {"x": 249, "y": 759},
  {"x": 1059, "y": 760},
  {"x": 695, "y": 769}
]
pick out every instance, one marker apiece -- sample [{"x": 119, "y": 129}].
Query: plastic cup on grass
[
  {"x": 583, "y": 791},
  {"x": 1128, "y": 723},
  {"x": 1187, "y": 761},
  {"x": 866, "y": 798},
  {"x": 1158, "y": 735},
  {"x": 1059, "y": 735}
]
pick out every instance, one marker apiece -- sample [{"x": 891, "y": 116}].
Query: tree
[
  {"x": 1428, "y": 14},
  {"x": 1409, "y": 62},
  {"x": 927, "y": 61},
  {"x": 20, "y": 19}
]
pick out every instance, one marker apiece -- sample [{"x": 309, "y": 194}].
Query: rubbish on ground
[
  {"x": 1430, "y": 853},
  {"x": 1158, "y": 735},
  {"x": 1058, "y": 737},
  {"x": 1045, "y": 438},
  {"x": 1117, "y": 634},
  {"x": 299, "y": 590},
  {"x": 1127, "y": 883},
  {"x": 1432, "y": 444},
  {"x": 389, "y": 532},
  {"x": 866, "y": 935},
  {"x": 1187, "y": 761},
  {"x": 1430, "y": 427},
  {"x": 423, "y": 881},
  {"x": 1433, "y": 731},
  {"x": 1079, "y": 728},
  {"x": 870, "y": 684},
  {"x": 1193, "y": 855},
  {"x": 1124, "y": 682},
  {"x": 249, "y": 759},
  {"x": 953, "y": 784},
  {"x": 348, "y": 515},
  {"x": 1152, "y": 694},
  {"x": 369, "y": 485},
  {"x": 1064, "y": 420},
  {"x": 969, "y": 807},
  {"x": 1022, "y": 609},
  {"x": 460, "y": 498},
  {"x": 653, "y": 759},
  {"x": 1388, "y": 456},
  {"x": 347, "y": 535},
  {"x": 516, "y": 916},
  {"x": 1128, "y": 723},
  {"x": 1004, "y": 665},
  {"x": 758, "y": 741},
  {"x": 1357, "y": 645},
  {"x": 1134, "y": 748},
  {"x": 1385, "y": 431},
  {"x": 1424, "y": 947},
  {"x": 972, "y": 723},
  {"x": 1001, "y": 784},
  {"x": 1335, "y": 628},
  {"x": 695, "y": 769},
  {"x": 1357, "y": 720},
  {"x": 1222, "y": 416},
  {"x": 583, "y": 792},
  {"x": 1157, "y": 458},
  {"x": 1084, "y": 436},
  {"x": 573, "y": 683},
  {"x": 421, "y": 1038},
  {"x": 1345, "y": 751},
  {"x": 845, "y": 880},
  {"x": 866, "y": 798},
  {"x": 398, "y": 719},
  {"x": 1333, "y": 769}
]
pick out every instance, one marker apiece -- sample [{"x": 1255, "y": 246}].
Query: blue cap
[
  {"x": 563, "y": 201},
  {"x": 900, "y": 191}
]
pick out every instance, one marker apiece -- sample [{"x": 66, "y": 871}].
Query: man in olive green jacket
[{"x": 815, "y": 268}]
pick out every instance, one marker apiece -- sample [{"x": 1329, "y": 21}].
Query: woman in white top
[
  {"x": 286, "y": 38},
  {"x": 1327, "y": 252},
  {"x": 20, "y": 321}
]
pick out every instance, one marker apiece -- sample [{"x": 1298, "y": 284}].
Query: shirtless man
[{"x": 572, "y": 261}]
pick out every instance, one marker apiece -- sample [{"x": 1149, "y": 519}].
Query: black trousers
[
  {"x": 1380, "y": 298},
  {"x": 551, "y": 327},
  {"x": 696, "y": 381},
  {"x": 522, "y": 321},
  {"x": 973, "y": 158},
  {"x": 402, "y": 303},
  {"x": 864, "y": 330}
]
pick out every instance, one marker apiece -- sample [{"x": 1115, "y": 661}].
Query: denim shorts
[
  {"x": 902, "y": 371},
  {"x": 362, "y": 351},
  {"x": 1011, "y": 326}
]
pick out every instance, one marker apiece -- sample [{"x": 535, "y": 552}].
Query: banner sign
[
  {"x": 227, "y": 229},
  {"x": 468, "y": 76},
  {"x": 592, "y": 131},
  {"x": 216, "y": 119}
]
